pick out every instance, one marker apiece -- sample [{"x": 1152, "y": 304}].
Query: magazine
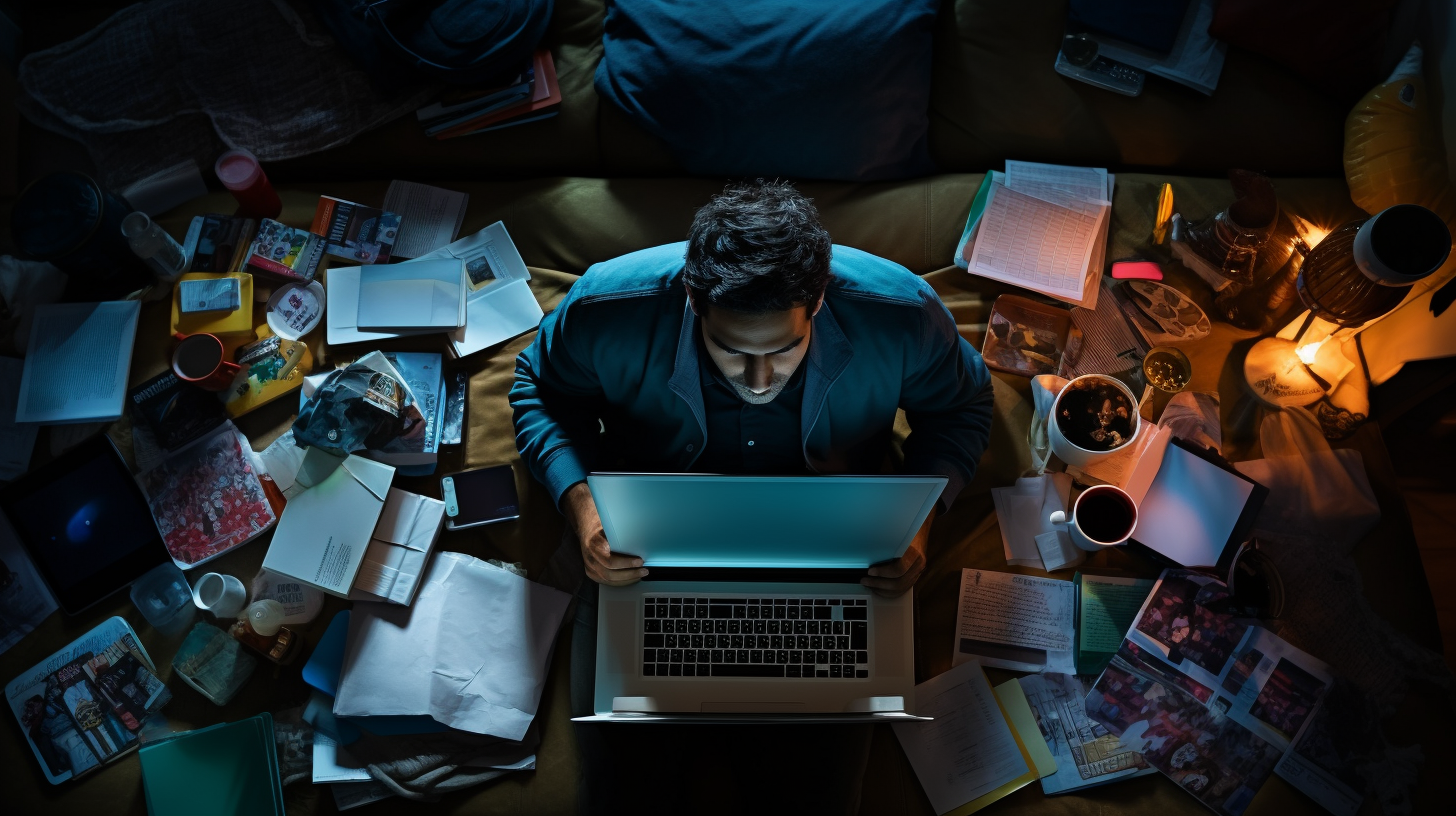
[
  {"x": 207, "y": 498},
  {"x": 284, "y": 253},
  {"x": 362, "y": 235},
  {"x": 217, "y": 243},
  {"x": 1087, "y": 754},
  {"x": 1218, "y": 704},
  {"x": 176, "y": 412},
  {"x": 83, "y": 706}
]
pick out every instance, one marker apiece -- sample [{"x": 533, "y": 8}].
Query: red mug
[{"x": 200, "y": 360}]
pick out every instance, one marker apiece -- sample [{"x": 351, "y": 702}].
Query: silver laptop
[{"x": 753, "y": 610}]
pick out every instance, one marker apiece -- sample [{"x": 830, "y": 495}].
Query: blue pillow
[{"x": 825, "y": 89}]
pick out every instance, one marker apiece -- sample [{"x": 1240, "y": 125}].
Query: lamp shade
[{"x": 1364, "y": 268}]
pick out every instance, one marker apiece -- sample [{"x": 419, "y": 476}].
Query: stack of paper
[
  {"x": 1042, "y": 227},
  {"x": 403, "y": 539},
  {"x": 420, "y": 295}
]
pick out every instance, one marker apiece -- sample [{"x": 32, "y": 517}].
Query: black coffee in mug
[
  {"x": 1095, "y": 414},
  {"x": 1106, "y": 516},
  {"x": 198, "y": 356}
]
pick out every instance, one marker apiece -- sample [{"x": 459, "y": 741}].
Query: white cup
[
  {"x": 222, "y": 595},
  {"x": 1076, "y": 455},
  {"x": 1080, "y": 536}
]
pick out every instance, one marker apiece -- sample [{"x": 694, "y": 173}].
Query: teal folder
[{"x": 223, "y": 770}]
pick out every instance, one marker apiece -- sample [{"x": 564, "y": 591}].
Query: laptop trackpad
[{"x": 752, "y": 708}]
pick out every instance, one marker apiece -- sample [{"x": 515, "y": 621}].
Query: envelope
[
  {"x": 471, "y": 651},
  {"x": 324, "y": 532},
  {"x": 407, "y": 531}
]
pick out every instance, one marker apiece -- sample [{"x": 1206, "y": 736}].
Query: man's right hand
[{"x": 602, "y": 565}]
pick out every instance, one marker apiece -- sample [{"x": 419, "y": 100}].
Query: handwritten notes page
[
  {"x": 966, "y": 758},
  {"x": 1108, "y": 608},
  {"x": 1017, "y": 622}
]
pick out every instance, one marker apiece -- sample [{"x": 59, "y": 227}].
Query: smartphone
[{"x": 482, "y": 496}]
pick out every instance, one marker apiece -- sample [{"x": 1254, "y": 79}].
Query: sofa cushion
[
  {"x": 996, "y": 96},
  {"x": 814, "y": 89}
]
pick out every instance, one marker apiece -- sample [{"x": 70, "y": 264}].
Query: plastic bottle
[{"x": 152, "y": 244}]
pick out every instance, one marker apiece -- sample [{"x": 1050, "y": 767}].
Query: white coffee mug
[
  {"x": 1072, "y": 453},
  {"x": 222, "y": 595},
  {"x": 1115, "y": 535}
]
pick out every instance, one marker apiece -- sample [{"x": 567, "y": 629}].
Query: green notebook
[
  {"x": 1106, "y": 607},
  {"x": 223, "y": 770}
]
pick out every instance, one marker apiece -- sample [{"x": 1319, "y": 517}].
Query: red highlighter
[{"x": 1137, "y": 270}]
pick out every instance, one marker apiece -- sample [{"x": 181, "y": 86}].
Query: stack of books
[{"x": 529, "y": 95}]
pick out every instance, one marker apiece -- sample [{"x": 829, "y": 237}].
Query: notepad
[
  {"x": 968, "y": 756},
  {"x": 419, "y": 295}
]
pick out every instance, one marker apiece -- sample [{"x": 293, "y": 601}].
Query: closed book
[
  {"x": 545, "y": 94},
  {"x": 176, "y": 412}
]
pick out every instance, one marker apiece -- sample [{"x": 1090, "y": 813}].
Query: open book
[{"x": 1042, "y": 227}]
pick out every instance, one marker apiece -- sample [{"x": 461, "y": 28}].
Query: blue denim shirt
[{"x": 611, "y": 381}]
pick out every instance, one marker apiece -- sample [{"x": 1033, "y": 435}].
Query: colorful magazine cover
[
  {"x": 363, "y": 235},
  {"x": 1218, "y": 704},
  {"x": 284, "y": 252},
  {"x": 207, "y": 498},
  {"x": 70, "y": 723}
]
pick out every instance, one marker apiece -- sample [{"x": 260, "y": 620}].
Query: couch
[{"x": 589, "y": 185}]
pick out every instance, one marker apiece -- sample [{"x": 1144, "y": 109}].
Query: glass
[{"x": 239, "y": 171}]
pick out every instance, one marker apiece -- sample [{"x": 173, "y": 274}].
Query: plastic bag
[{"x": 363, "y": 406}]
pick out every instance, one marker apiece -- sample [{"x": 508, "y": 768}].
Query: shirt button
[
  {"x": 690, "y": 448},
  {"x": 750, "y": 443}
]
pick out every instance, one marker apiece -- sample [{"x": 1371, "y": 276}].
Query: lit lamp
[{"x": 1359, "y": 272}]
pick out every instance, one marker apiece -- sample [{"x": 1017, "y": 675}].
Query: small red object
[
  {"x": 1137, "y": 270},
  {"x": 240, "y": 173}
]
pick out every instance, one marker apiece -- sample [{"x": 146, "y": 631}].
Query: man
[{"x": 754, "y": 348}]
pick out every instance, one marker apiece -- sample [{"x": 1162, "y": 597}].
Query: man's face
[{"x": 756, "y": 353}]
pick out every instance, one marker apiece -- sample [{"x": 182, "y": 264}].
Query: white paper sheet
[
  {"x": 334, "y": 764},
  {"x": 78, "y": 360},
  {"x": 324, "y": 532},
  {"x": 968, "y": 750},
  {"x": 1018, "y": 622},
  {"x": 402, "y": 542},
  {"x": 26, "y": 601},
  {"x": 1026, "y": 241},
  {"x": 1057, "y": 182},
  {"x": 418, "y": 295},
  {"x": 471, "y": 652},
  {"x": 430, "y": 217},
  {"x": 17, "y": 442}
]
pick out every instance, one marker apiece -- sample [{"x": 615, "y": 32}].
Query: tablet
[{"x": 85, "y": 523}]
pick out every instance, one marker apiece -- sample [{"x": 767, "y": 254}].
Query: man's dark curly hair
[{"x": 757, "y": 247}]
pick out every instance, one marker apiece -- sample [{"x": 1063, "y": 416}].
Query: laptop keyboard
[{"x": 689, "y": 636}]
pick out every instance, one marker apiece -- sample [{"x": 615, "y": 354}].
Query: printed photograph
[
  {"x": 1287, "y": 698},
  {"x": 1153, "y": 665},
  {"x": 1209, "y": 755},
  {"x": 1180, "y": 616}
]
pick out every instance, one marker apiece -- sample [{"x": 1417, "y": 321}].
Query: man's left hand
[{"x": 892, "y": 578}]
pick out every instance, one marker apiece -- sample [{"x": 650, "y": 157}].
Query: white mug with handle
[
  {"x": 1103, "y": 516},
  {"x": 222, "y": 595}
]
